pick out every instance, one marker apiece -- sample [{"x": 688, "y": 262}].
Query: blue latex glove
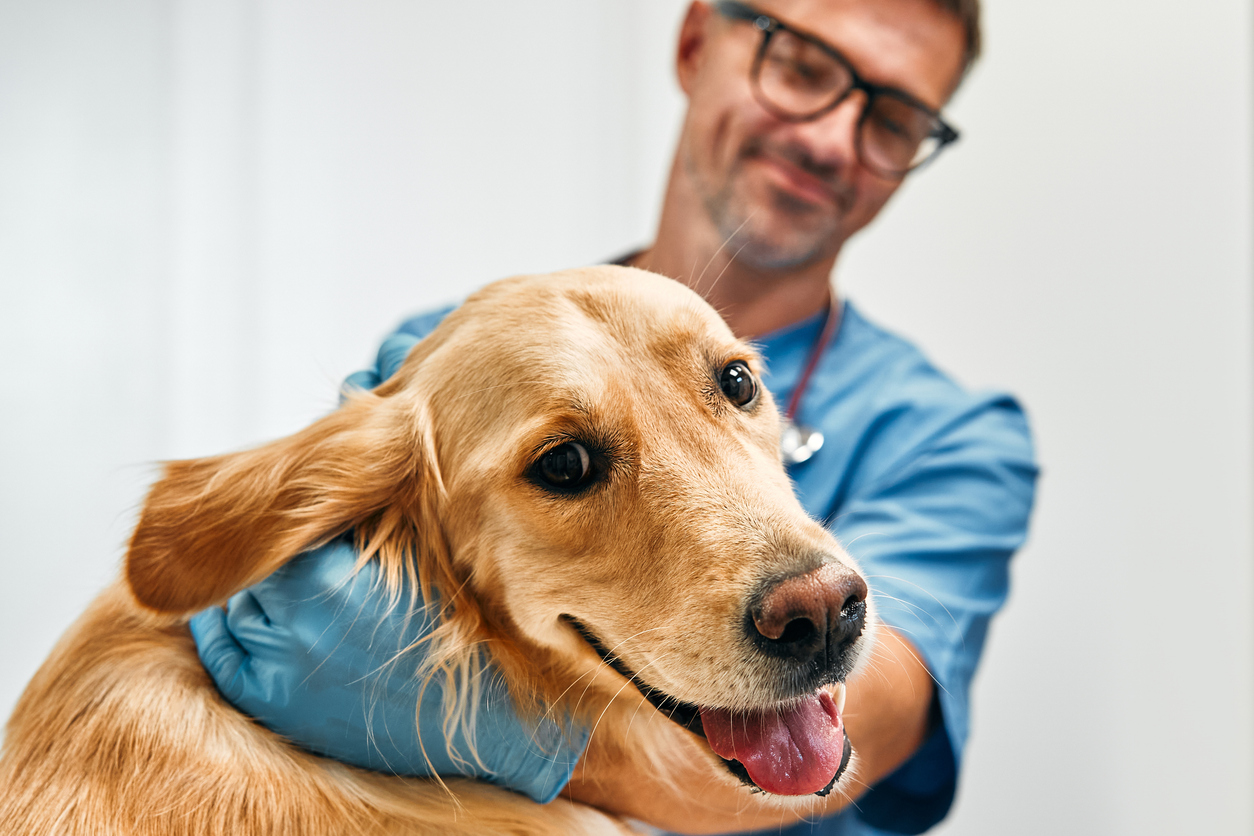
[{"x": 312, "y": 653}]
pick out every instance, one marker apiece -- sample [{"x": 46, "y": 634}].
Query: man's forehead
[{"x": 914, "y": 45}]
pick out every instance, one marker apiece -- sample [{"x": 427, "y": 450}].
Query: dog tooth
[{"x": 840, "y": 698}]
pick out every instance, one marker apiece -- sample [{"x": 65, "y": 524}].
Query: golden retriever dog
[{"x": 585, "y": 468}]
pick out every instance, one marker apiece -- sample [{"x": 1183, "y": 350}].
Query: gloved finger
[
  {"x": 219, "y": 652},
  {"x": 252, "y": 627},
  {"x": 328, "y": 572},
  {"x": 349, "y": 600},
  {"x": 392, "y": 353},
  {"x": 304, "y": 581},
  {"x": 365, "y": 379}
]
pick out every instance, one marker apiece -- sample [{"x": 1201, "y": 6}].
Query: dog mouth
[{"x": 794, "y": 748}]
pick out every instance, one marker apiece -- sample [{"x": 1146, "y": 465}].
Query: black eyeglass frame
[{"x": 768, "y": 26}]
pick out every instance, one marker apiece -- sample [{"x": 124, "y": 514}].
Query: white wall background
[{"x": 210, "y": 211}]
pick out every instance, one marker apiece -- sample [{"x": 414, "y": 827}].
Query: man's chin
[
  {"x": 780, "y": 250},
  {"x": 771, "y": 231}
]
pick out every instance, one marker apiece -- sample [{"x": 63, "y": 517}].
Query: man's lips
[
  {"x": 797, "y": 183},
  {"x": 794, "y": 749},
  {"x": 793, "y": 173}
]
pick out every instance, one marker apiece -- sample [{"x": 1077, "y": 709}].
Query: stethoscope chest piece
[{"x": 798, "y": 443}]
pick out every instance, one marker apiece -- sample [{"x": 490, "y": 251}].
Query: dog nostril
[
  {"x": 853, "y": 617},
  {"x": 797, "y": 630},
  {"x": 856, "y": 602}
]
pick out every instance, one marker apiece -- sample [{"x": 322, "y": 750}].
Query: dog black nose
[{"x": 811, "y": 617}]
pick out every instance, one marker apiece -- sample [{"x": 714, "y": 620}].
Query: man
[{"x": 803, "y": 118}]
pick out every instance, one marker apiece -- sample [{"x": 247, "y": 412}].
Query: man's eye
[
  {"x": 802, "y": 73},
  {"x": 896, "y": 121},
  {"x": 805, "y": 71},
  {"x": 894, "y": 128}
]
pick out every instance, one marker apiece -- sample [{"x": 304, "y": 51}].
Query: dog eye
[
  {"x": 567, "y": 466},
  {"x": 738, "y": 383}
]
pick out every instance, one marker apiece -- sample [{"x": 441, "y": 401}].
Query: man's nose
[{"x": 832, "y": 139}]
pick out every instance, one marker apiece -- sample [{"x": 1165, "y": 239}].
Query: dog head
[{"x": 586, "y": 466}]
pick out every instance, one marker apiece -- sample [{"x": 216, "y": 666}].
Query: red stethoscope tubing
[{"x": 831, "y": 322}]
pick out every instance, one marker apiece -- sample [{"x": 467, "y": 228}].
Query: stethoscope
[{"x": 797, "y": 442}]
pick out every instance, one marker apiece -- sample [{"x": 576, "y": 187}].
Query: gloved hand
[
  {"x": 313, "y": 653},
  {"x": 392, "y": 353}
]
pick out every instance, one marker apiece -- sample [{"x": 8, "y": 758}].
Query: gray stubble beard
[{"x": 753, "y": 247}]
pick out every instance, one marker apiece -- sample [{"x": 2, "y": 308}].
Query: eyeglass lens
[{"x": 799, "y": 79}]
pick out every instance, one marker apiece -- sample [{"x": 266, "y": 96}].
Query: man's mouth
[
  {"x": 796, "y": 748},
  {"x": 798, "y": 184},
  {"x": 798, "y": 175}
]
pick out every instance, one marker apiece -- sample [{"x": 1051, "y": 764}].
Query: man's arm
[{"x": 886, "y": 714}]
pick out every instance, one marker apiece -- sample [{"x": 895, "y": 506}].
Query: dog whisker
[
  {"x": 608, "y": 705},
  {"x": 877, "y": 656},
  {"x": 921, "y": 589},
  {"x": 614, "y": 650},
  {"x": 916, "y": 611},
  {"x": 642, "y": 703},
  {"x": 726, "y": 267},
  {"x": 549, "y": 711},
  {"x": 697, "y": 282}
]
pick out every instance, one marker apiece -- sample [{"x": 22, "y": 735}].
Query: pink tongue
[{"x": 790, "y": 751}]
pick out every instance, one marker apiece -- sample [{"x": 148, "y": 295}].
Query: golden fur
[{"x": 122, "y": 732}]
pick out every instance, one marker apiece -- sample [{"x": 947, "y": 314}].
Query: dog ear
[{"x": 210, "y": 527}]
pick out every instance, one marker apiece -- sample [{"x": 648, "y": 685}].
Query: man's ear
[
  {"x": 210, "y": 527},
  {"x": 692, "y": 37}
]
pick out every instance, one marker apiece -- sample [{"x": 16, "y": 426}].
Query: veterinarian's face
[{"x": 791, "y": 193}]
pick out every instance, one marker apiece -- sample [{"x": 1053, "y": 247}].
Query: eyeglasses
[{"x": 798, "y": 78}]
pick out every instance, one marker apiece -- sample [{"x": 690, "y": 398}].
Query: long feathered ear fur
[{"x": 213, "y": 526}]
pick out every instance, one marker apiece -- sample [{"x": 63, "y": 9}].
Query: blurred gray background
[{"x": 212, "y": 210}]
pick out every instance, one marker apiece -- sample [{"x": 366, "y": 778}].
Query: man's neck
[{"x": 752, "y": 301}]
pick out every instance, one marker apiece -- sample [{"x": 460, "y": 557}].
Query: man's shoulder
[
  {"x": 882, "y": 389},
  {"x": 889, "y": 365}
]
